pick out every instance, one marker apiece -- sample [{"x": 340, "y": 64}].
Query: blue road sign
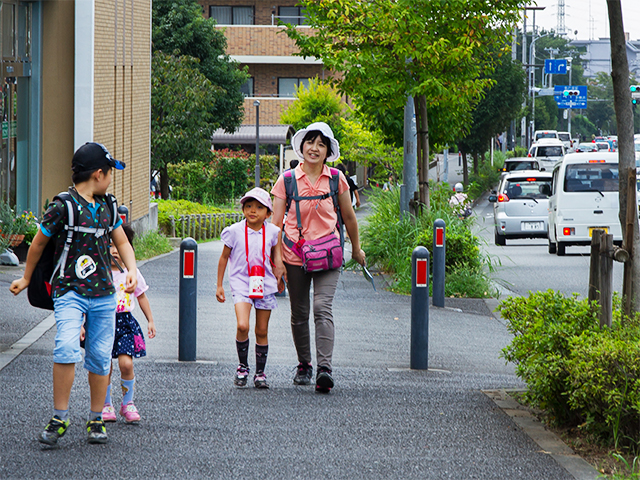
[
  {"x": 555, "y": 66},
  {"x": 570, "y": 96}
]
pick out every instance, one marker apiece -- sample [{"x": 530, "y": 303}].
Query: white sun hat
[{"x": 325, "y": 129}]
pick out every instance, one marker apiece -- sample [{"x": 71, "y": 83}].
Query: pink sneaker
[
  {"x": 130, "y": 413},
  {"x": 108, "y": 413}
]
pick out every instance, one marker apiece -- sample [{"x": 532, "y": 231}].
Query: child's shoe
[
  {"x": 240, "y": 378},
  {"x": 130, "y": 413},
  {"x": 55, "y": 429},
  {"x": 260, "y": 380},
  {"x": 108, "y": 413},
  {"x": 96, "y": 431},
  {"x": 324, "y": 380}
]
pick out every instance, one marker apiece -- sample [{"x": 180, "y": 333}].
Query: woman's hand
[{"x": 359, "y": 256}]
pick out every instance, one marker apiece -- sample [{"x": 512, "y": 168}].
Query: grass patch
[{"x": 151, "y": 244}]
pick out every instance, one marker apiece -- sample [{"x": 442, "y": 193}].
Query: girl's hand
[
  {"x": 359, "y": 256},
  {"x": 280, "y": 272},
  {"x": 83, "y": 333},
  {"x": 220, "y": 294},
  {"x": 151, "y": 329},
  {"x": 132, "y": 281},
  {"x": 280, "y": 285},
  {"x": 18, "y": 285}
]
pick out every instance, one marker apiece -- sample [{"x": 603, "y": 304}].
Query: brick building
[
  {"x": 75, "y": 71},
  {"x": 255, "y": 39}
]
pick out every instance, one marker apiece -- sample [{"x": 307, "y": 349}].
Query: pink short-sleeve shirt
[{"x": 318, "y": 217}]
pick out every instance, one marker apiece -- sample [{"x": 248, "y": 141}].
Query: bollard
[
  {"x": 123, "y": 213},
  {"x": 439, "y": 246},
  {"x": 420, "y": 309},
  {"x": 187, "y": 308}
]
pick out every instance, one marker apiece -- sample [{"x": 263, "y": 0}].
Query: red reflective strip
[
  {"x": 123, "y": 218},
  {"x": 439, "y": 237},
  {"x": 421, "y": 272},
  {"x": 188, "y": 264}
]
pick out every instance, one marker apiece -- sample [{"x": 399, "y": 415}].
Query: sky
[{"x": 588, "y": 17}]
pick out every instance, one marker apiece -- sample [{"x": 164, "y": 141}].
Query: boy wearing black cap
[{"x": 84, "y": 290}]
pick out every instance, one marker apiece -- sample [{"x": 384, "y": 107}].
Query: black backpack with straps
[{"x": 40, "y": 290}]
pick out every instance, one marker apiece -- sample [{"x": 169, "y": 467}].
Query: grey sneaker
[
  {"x": 240, "y": 378},
  {"x": 97, "y": 432},
  {"x": 304, "y": 372},
  {"x": 324, "y": 380},
  {"x": 55, "y": 429}
]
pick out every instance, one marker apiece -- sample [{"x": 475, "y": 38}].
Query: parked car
[
  {"x": 565, "y": 137},
  {"x": 540, "y": 134},
  {"x": 586, "y": 147},
  {"x": 584, "y": 197},
  {"x": 548, "y": 152},
  {"x": 520, "y": 205},
  {"x": 520, "y": 163}
]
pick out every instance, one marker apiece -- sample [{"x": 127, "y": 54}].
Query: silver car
[{"x": 520, "y": 205}]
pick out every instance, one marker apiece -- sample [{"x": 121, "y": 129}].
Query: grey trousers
[{"x": 324, "y": 289}]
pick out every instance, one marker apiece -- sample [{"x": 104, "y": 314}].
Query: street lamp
[
  {"x": 569, "y": 60},
  {"x": 256, "y": 104}
]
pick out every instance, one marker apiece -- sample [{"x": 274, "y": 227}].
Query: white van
[
  {"x": 545, "y": 134},
  {"x": 584, "y": 196},
  {"x": 565, "y": 138},
  {"x": 548, "y": 152}
]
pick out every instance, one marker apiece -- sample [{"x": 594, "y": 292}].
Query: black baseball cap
[{"x": 93, "y": 156}]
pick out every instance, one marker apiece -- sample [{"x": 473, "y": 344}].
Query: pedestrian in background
[
  {"x": 85, "y": 290},
  {"x": 314, "y": 145},
  {"x": 353, "y": 188},
  {"x": 248, "y": 244},
  {"x": 129, "y": 340}
]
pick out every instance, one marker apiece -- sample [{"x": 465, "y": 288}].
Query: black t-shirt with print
[{"x": 88, "y": 266}]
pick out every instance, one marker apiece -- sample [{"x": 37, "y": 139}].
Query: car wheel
[
  {"x": 499, "y": 239},
  {"x": 561, "y": 250},
  {"x": 552, "y": 247}
]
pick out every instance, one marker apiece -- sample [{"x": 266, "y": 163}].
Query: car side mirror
[{"x": 493, "y": 198}]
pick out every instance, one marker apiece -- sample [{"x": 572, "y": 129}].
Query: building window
[
  {"x": 287, "y": 86},
  {"x": 231, "y": 15},
  {"x": 247, "y": 88},
  {"x": 292, "y": 15}
]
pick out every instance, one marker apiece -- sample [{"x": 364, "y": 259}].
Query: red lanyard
[{"x": 246, "y": 244}]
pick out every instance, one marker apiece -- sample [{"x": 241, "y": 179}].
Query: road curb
[{"x": 548, "y": 441}]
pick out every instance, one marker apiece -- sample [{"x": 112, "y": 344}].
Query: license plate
[
  {"x": 532, "y": 225},
  {"x": 591, "y": 229}
]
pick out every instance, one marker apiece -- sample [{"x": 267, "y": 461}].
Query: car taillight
[
  {"x": 503, "y": 197},
  {"x": 566, "y": 231},
  {"x": 528, "y": 155}
]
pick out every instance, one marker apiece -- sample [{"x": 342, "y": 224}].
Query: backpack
[
  {"x": 291, "y": 189},
  {"x": 40, "y": 289}
]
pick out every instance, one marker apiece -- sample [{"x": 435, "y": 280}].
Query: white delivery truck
[{"x": 584, "y": 196}]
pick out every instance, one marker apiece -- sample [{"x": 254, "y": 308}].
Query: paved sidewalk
[{"x": 382, "y": 420}]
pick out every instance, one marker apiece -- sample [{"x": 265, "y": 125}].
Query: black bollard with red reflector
[
  {"x": 439, "y": 245},
  {"x": 420, "y": 309},
  {"x": 123, "y": 213},
  {"x": 187, "y": 308}
]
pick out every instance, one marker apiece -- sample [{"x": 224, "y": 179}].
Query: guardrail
[{"x": 202, "y": 226}]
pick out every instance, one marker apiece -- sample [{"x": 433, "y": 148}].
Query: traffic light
[
  {"x": 635, "y": 93},
  {"x": 571, "y": 93}
]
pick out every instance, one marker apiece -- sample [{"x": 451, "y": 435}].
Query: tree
[
  {"x": 432, "y": 50},
  {"x": 180, "y": 29},
  {"x": 182, "y": 99},
  {"x": 492, "y": 115},
  {"x": 626, "y": 157}
]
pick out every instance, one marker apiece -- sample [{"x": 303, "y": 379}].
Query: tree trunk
[
  {"x": 164, "y": 182},
  {"x": 422, "y": 126},
  {"x": 626, "y": 152},
  {"x": 465, "y": 167},
  {"x": 475, "y": 162}
]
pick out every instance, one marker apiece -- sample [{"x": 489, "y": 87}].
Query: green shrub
[
  {"x": 390, "y": 242},
  {"x": 543, "y": 325},
  {"x": 488, "y": 176},
  {"x": 517, "y": 152},
  {"x": 166, "y": 208}
]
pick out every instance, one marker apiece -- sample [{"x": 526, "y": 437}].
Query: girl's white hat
[
  {"x": 325, "y": 129},
  {"x": 260, "y": 195}
]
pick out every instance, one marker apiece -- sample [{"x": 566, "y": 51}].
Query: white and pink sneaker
[
  {"x": 130, "y": 413},
  {"x": 108, "y": 413}
]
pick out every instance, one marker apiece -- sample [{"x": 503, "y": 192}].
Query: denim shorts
[
  {"x": 269, "y": 302},
  {"x": 70, "y": 311}
]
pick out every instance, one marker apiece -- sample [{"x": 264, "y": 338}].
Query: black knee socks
[
  {"x": 261, "y": 357},
  {"x": 243, "y": 351}
]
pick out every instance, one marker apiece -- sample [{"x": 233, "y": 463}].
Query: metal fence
[{"x": 202, "y": 226}]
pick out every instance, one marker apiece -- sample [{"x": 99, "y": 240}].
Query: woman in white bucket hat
[{"x": 314, "y": 146}]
